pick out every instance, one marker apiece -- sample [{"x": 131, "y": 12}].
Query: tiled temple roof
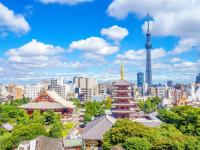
[{"x": 98, "y": 127}]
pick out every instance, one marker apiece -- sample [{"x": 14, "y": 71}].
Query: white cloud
[
  {"x": 77, "y": 65},
  {"x": 62, "y": 2},
  {"x": 175, "y": 59},
  {"x": 1, "y": 69},
  {"x": 94, "y": 45},
  {"x": 9, "y": 21},
  {"x": 141, "y": 54},
  {"x": 170, "y": 18},
  {"x": 115, "y": 33},
  {"x": 35, "y": 48},
  {"x": 186, "y": 66},
  {"x": 184, "y": 45},
  {"x": 34, "y": 55}
]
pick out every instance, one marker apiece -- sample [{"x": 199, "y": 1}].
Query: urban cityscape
[{"x": 92, "y": 95}]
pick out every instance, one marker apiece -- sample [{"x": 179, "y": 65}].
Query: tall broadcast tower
[{"x": 148, "y": 45}]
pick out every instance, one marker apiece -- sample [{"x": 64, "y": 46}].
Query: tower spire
[
  {"x": 122, "y": 71},
  {"x": 148, "y": 45}
]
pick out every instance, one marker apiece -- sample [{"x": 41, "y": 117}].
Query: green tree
[
  {"x": 24, "y": 132},
  {"x": 149, "y": 105},
  {"x": 56, "y": 130},
  {"x": 185, "y": 118},
  {"x": 6, "y": 141},
  {"x": 136, "y": 143},
  {"x": 49, "y": 117},
  {"x": 93, "y": 109},
  {"x": 37, "y": 117},
  {"x": 108, "y": 103},
  {"x": 76, "y": 102},
  {"x": 132, "y": 135}
]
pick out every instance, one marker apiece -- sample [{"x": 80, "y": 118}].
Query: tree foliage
[
  {"x": 107, "y": 103},
  {"x": 26, "y": 127},
  {"x": 93, "y": 109},
  {"x": 76, "y": 102},
  {"x": 149, "y": 105},
  {"x": 185, "y": 118},
  {"x": 132, "y": 135}
]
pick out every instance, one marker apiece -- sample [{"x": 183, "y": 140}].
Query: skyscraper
[
  {"x": 140, "y": 79},
  {"x": 170, "y": 84},
  {"x": 148, "y": 45},
  {"x": 198, "y": 78}
]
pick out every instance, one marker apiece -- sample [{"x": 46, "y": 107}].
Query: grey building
[
  {"x": 198, "y": 78},
  {"x": 140, "y": 79}
]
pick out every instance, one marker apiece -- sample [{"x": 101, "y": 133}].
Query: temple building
[
  {"x": 123, "y": 105},
  {"x": 92, "y": 134},
  {"x": 49, "y": 100}
]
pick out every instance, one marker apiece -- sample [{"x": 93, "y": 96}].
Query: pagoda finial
[{"x": 122, "y": 71}]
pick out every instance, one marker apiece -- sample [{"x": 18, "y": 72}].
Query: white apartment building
[
  {"x": 170, "y": 94},
  {"x": 195, "y": 93},
  {"x": 153, "y": 91},
  {"x": 88, "y": 86},
  {"x": 59, "y": 86},
  {"x": 161, "y": 92},
  {"x": 3, "y": 91},
  {"x": 33, "y": 91}
]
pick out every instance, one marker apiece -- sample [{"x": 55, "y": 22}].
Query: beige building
[
  {"x": 17, "y": 92},
  {"x": 88, "y": 87},
  {"x": 153, "y": 91},
  {"x": 171, "y": 94},
  {"x": 161, "y": 92}
]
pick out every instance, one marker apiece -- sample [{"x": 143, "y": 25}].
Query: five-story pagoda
[{"x": 123, "y": 105}]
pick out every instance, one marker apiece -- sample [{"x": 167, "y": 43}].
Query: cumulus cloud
[
  {"x": 175, "y": 59},
  {"x": 94, "y": 45},
  {"x": 77, "y": 65},
  {"x": 34, "y": 54},
  {"x": 11, "y": 22},
  {"x": 178, "y": 18},
  {"x": 141, "y": 54},
  {"x": 184, "y": 45},
  {"x": 115, "y": 33},
  {"x": 62, "y": 2}
]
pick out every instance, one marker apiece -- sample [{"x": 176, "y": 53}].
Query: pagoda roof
[
  {"x": 98, "y": 127},
  {"x": 118, "y": 90},
  {"x": 122, "y": 82},
  {"x": 125, "y": 110},
  {"x": 124, "y": 104},
  {"x": 118, "y": 97}
]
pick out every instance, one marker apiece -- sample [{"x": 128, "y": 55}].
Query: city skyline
[{"x": 40, "y": 39}]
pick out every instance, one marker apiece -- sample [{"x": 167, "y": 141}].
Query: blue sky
[{"x": 51, "y": 38}]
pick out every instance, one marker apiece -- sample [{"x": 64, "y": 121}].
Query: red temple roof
[{"x": 48, "y": 100}]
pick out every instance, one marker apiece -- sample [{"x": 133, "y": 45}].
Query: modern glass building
[
  {"x": 140, "y": 79},
  {"x": 198, "y": 78}
]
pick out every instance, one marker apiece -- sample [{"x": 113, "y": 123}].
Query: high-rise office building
[
  {"x": 60, "y": 87},
  {"x": 170, "y": 84},
  {"x": 88, "y": 87},
  {"x": 198, "y": 78},
  {"x": 148, "y": 45},
  {"x": 140, "y": 79}
]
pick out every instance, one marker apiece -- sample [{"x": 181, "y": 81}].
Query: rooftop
[
  {"x": 122, "y": 82},
  {"x": 98, "y": 127},
  {"x": 57, "y": 102},
  {"x": 72, "y": 143},
  {"x": 7, "y": 126}
]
